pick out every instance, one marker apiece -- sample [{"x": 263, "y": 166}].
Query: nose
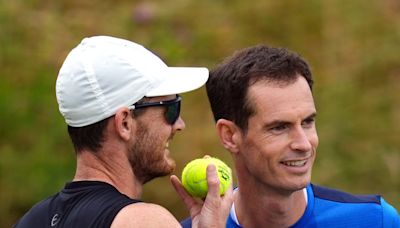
[
  {"x": 178, "y": 125},
  {"x": 300, "y": 140}
]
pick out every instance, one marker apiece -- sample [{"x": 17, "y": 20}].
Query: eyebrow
[
  {"x": 313, "y": 116},
  {"x": 283, "y": 122}
]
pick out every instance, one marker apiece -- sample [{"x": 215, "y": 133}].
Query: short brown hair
[
  {"x": 92, "y": 136},
  {"x": 228, "y": 83},
  {"x": 88, "y": 137}
]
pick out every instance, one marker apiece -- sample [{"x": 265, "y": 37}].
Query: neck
[
  {"x": 262, "y": 206},
  {"x": 108, "y": 167}
]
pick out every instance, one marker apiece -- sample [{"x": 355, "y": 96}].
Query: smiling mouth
[{"x": 298, "y": 163}]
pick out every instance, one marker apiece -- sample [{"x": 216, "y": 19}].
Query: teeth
[
  {"x": 295, "y": 163},
  {"x": 167, "y": 144}
]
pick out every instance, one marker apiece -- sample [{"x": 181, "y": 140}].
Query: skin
[
  {"x": 274, "y": 157},
  {"x": 150, "y": 142},
  {"x": 136, "y": 151}
]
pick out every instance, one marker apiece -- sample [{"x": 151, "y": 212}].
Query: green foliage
[{"x": 352, "y": 46}]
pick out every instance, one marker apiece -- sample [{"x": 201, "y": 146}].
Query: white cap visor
[{"x": 180, "y": 80}]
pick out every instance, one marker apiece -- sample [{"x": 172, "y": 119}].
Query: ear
[
  {"x": 124, "y": 123},
  {"x": 229, "y": 134}
]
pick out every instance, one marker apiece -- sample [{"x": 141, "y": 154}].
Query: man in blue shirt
[{"x": 262, "y": 102}]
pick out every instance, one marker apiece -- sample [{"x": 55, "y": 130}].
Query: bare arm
[
  {"x": 144, "y": 215},
  {"x": 210, "y": 213}
]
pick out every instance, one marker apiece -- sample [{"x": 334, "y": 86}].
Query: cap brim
[{"x": 180, "y": 80}]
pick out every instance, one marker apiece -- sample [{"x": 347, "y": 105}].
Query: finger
[
  {"x": 229, "y": 191},
  {"x": 183, "y": 194},
  {"x": 178, "y": 187},
  {"x": 212, "y": 181},
  {"x": 228, "y": 196}
]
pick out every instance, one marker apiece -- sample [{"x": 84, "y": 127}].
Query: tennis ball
[{"x": 194, "y": 177}]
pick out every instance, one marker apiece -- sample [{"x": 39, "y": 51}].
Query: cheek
[
  {"x": 260, "y": 162},
  {"x": 159, "y": 127},
  {"x": 262, "y": 151},
  {"x": 270, "y": 146},
  {"x": 314, "y": 140}
]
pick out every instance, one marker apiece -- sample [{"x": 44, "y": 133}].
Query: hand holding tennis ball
[{"x": 194, "y": 177}]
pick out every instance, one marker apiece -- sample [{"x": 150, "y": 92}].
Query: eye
[
  {"x": 309, "y": 122},
  {"x": 279, "y": 128}
]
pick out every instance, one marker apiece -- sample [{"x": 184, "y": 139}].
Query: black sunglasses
[{"x": 172, "y": 112}]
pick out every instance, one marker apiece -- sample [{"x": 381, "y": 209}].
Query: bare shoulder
[{"x": 144, "y": 215}]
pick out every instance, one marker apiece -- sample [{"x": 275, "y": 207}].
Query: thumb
[{"x": 212, "y": 181}]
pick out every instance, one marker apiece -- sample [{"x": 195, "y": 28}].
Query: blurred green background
[{"x": 352, "y": 46}]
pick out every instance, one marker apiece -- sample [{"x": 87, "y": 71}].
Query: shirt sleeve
[{"x": 391, "y": 218}]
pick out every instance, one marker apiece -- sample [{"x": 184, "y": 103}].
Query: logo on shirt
[{"x": 55, "y": 220}]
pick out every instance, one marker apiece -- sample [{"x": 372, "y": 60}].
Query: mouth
[
  {"x": 295, "y": 163},
  {"x": 297, "y": 166}
]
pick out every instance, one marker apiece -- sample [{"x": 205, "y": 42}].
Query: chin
[
  {"x": 168, "y": 165},
  {"x": 171, "y": 165},
  {"x": 303, "y": 185},
  {"x": 168, "y": 158},
  {"x": 300, "y": 184},
  {"x": 294, "y": 187},
  {"x": 297, "y": 183}
]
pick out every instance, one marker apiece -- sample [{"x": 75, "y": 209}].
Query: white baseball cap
[{"x": 103, "y": 74}]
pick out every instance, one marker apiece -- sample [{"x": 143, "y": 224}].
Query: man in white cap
[{"x": 122, "y": 107}]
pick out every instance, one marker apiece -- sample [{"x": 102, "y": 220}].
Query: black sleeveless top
[{"x": 79, "y": 204}]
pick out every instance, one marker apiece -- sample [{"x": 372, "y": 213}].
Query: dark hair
[
  {"x": 229, "y": 82},
  {"x": 92, "y": 136},
  {"x": 88, "y": 137}
]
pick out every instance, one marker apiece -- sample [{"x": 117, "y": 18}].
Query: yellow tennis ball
[{"x": 194, "y": 177}]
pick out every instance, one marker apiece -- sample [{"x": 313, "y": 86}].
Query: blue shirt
[{"x": 332, "y": 208}]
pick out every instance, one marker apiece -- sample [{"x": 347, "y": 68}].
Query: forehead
[{"x": 272, "y": 98}]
